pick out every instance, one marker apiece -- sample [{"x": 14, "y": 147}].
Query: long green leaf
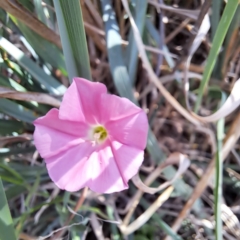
[
  {"x": 72, "y": 33},
  {"x": 221, "y": 31},
  {"x": 16, "y": 110},
  {"x": 46, "y": 50},
  {"x": 140, "y": 8},
  {"x": 7, "y": 231},
  {"x": 215, "y": 17},
  {"x": 7, "y": 127},
  {"x": 51, "y": 84}
]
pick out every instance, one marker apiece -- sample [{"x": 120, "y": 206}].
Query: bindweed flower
[{"x": 95, "y": 139}]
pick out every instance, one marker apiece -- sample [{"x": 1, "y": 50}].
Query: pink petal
[
  {"x": 130, "y": 130},
  {"x": 52, "y": 135},
  {"x": 71, "y": 170},
  {"x": 105, "y": 174},
  {"x": 107, "y": 170},
  {"x": 114, "y": 108},
  {"x": 128, "y": 159},
  {"x": 80, "y": 102}
]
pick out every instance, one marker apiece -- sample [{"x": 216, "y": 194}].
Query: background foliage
[{"x": 43, "y": 44}]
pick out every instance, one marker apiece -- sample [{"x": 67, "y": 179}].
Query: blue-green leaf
[
  {"x": 16, "y": 110},
  {"x": 51, "y": 84},
  {"x": 140, "y": 8}
]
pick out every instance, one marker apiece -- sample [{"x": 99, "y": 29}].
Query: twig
[
  {"x": 177, "y": 30},
  {"x": 193, "y": 14},
  {"x": 44, "y": 98},
  {"x": 95, "y": 14}
]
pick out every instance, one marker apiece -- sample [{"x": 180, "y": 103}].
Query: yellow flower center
[{"x": 99, "y": 134}]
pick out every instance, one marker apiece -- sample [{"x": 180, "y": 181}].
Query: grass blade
[
  {"x": 219, "y": 176},
  {"x": 218, "y": 181},
  {"x": 221, "y": 31},
  {"x": 72, "y": 32},
  {"x": 6, "y": 224},
  {"x": 215, "y": 17},
  {"x": 231, "y": 43}
]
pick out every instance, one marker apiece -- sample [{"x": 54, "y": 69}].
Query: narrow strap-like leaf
[
  {"x": 7, "y": 231},
  {"x": 72, "y": 32}
]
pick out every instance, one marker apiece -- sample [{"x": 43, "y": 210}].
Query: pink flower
[{"x": 95, "y": 139}]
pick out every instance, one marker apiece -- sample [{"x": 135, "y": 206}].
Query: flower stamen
[{"x": 99, "y": 134}]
